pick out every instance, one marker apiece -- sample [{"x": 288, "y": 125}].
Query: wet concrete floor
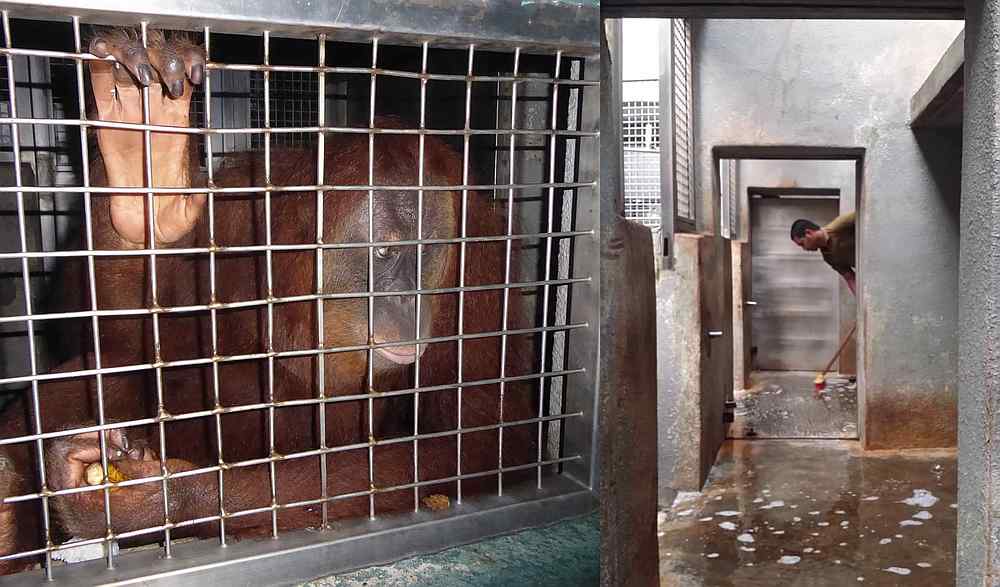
[
  {"x": 814, "y": 513},
  {"x": 784, "y": 404}
]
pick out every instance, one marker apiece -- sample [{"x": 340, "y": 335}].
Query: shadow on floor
[
  {"x": 784, "y": 404},
  {"x": 814, "y": 513}
]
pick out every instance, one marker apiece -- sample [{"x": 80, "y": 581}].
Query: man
[{"x": 835, "y": 241}]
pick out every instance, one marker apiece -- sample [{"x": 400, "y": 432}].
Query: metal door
[{"x": 796, "y": 319}]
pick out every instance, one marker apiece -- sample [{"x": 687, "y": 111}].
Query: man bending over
[{"x": 835, "y": 242}]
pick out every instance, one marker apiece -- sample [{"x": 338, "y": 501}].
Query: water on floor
[
  {"x": 784, "y": 404},
  {"x": 814, "y": 513}
]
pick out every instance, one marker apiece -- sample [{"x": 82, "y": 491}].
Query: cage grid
[
  {"x": 307, "y": 124},
  {"x": 641, "y": 144},
  {"x": 642, "y": 186}
]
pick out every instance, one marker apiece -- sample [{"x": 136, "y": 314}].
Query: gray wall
[
  {"x": 979, "y": 364},
  {"x": 848, "y": 84}
]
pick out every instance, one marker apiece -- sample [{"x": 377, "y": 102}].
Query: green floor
[{"x": 565, "y": 553}]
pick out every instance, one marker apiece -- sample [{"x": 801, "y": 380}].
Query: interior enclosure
[
  {"x": 763, "y": 105},
  {"x": 518, "y": 104}
]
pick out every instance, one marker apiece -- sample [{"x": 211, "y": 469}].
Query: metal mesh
[
  {"x": 680, "y": 48},
  {"x": 641, "y": 125},
  {"x": 642, "y": 186},
  {"x": 641, "y": 141},
  {"x": 285, "y": 105}
]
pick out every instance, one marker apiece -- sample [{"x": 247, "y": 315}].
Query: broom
[{"x": 820, "y": 381}]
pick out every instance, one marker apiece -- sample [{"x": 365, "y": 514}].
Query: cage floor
[
  {"x": 783, "y": 404},
  {"x": 565, "y": 553}
]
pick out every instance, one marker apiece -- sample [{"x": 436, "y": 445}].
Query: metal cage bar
[
  {"x": 213, "y": 312},
  {"x": 548, "y": 260},
  {"x": 92, "y": 283},
  {"x": 420, "y": 267},
  {"x": 371, "y": 285},
  {"x": 26, "y": 280},
  {"x": 320, "y": 331},
  {"x": 506, "y": 270}
]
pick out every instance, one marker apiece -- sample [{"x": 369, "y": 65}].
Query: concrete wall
[
  {"x": 848, "y": 84},
  {"x": 694, "y": 371},
  {"x": 979, "y": 362}
]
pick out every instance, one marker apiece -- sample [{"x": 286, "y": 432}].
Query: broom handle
[{"x": 841, "y": 349}]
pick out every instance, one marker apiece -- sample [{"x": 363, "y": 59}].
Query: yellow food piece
[
  {"x": 95, "y": 474},
  {"x": 436, "y": 502}
]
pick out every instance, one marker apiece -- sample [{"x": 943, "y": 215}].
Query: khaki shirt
[{"x": 839, "y": 249}]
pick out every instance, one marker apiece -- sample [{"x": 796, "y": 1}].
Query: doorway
[{"x": 793, "y": 316}]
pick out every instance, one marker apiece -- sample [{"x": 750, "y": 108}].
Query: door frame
[{"x": 818, "y": 153}]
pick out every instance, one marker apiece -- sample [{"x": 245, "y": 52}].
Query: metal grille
[
  {"x": 729, "y": 188},
  {"x": 641, "y": 141},
  {"x": 680, "y": 48},
  {"x": 734, "y": 210},
  {"x": 565, "y": 309},
  {"x": 641, "y": 125},
  {"x": 642, "y": 186}
]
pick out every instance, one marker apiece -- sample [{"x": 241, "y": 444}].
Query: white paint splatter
[
  {"x": 660, "y": 534},
  {"x": 747, "y": 549},
  {"x": 923, "y": 515},
  {"x": 899, "y": 535},
  {"x": 718, "y": 498},
  {"x": 842, "y": 544},
  {"x": 683, "y": 513},
  {"x": 807, "y": 549},
  {"x": 885, "y": 541},
  {"x": 708, "y": 519},
  {"x": 727, "y": 526},
  {"x": 796, "y": 519},
  {"x": 870, "y": 498},
  {"x": 922, "y": 498},
  {"x": 773, "y": 504},
  {"x": 822, "y": 523},
  {"x": 745, "y": 538},
  {"x": 861, "y": 579},
  {"x": 954, "y": 506},
  {"x": 727, "y": 513},
  {"x": 815, "y": 533},
  {"x": 814, "y": 513},
  {"x": 845, "y": 524},
  {"x": 836, "y": 562},
  {"x": 759, "y": 500},
  {"x": 924, "y": 565},
  {"x": 840, "y": 512},
  {"x": 778, "y": 532},
  {"x": 789, "y": 560},
  {"x": 898, "y": 570},
  {"x": 911, "y": 523},
  {"x": 712, "y": 555}
]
